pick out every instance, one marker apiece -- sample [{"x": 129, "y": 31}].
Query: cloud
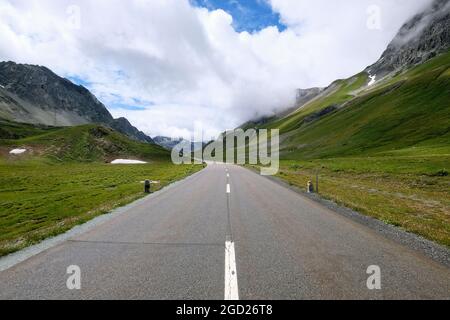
[{"x": 185, "y": 64}]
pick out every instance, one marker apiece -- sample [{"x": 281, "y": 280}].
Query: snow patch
[
  {"x": 126, "y": 161},
  {"x": 18, "y": 151},
  {"x": 2, "y": 86},
  {"x": 373, "y": 79}
]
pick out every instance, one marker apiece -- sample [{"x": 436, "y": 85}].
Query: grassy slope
[
  {"x": 342, "y": 90},
  {"x": 86, "y": 143},
  {"x": 64, "y": 181},
  {"x": 413, "y": 111},
  {"x": 386, "y": 153}
]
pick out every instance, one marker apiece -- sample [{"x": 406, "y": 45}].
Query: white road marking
[
  {"x": 231, "y": 283},
  {"x": 228, "y": 175},
  {"x": 228, "y": 188}
]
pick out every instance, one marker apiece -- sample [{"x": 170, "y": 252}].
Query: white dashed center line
[{"x": 231, "y": 283}]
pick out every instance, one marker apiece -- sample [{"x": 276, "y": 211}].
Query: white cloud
[{"x": 188, "y": 64}]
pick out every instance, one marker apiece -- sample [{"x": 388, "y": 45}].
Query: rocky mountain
[
  {"x": 124, "y": 126},
  {"x": 421, "y": 38},
  {"x": 166, "y": 142},
  {"x": 306, "y": 95},
  {"x": 303, "y": 97},
  {"x": 169, "y": 143},
  {"x": 36, "y": 95}
]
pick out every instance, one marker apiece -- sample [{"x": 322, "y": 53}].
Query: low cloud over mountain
[{"x": 167, "y": 64}]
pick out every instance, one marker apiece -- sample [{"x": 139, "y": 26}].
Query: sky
[{"x": 171, "y": 65}]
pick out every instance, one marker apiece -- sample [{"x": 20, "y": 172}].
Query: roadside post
[
  {"x": 310, "y": 187},
  {"x": 147, "y": 186}
]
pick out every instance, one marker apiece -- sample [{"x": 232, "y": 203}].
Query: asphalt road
[{"x": 227, "y": 232}]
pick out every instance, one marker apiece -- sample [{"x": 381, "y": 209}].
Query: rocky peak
[
  {"x": 306, "y": 95},
  {"x": 421, "y": 38},
  {"x": 124, "y": 126}
]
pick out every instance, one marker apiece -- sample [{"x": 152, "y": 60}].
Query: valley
[{"x": 333, "y": 185}]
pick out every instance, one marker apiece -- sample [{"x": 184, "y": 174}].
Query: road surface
[{"x": 228, "y": 233}]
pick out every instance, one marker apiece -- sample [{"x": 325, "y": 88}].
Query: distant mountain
[
  {"x": 306, "y": 95},
  {"x": 303, "y": 97},
  {"x": 423, "y": 37},
  {"x": 35, "y": 95},
  {"x": 169, "y": 143}
]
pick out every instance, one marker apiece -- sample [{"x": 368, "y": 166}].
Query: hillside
[
  {"x": 424, "y": 37},
  {"x": 379, "y": 141},
  {"x": 86, "y": 143},
  {"x": 399, "y": 102},
  {"x": 36, "y": 95},
  {"x": 410, "y": 110}
]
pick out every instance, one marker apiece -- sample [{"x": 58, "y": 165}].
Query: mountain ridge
[
  {"x": 36, "y": 95},
  {"x": 421, "y": 38}
]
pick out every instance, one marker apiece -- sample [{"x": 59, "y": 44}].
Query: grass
[
  {"x": 343, "y": 91},
  {"x": 86, "y": 143},
  {"x": 40, "y": 200},
  {"x": 411, "y": 193}
]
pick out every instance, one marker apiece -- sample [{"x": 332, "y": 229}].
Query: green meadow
[
  {"x": 65, "y": 179},
  {"x": 410, "y": 193},
  {"x": 40, "y": 200}
]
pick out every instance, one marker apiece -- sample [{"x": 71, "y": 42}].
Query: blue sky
[
  {"x": 117, "y": 103},
  {"x": 79, "y": 81},
  {"x": 248, "y": 15}
]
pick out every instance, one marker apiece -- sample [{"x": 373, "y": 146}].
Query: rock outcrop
[{"x": 423, "y": 37}]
